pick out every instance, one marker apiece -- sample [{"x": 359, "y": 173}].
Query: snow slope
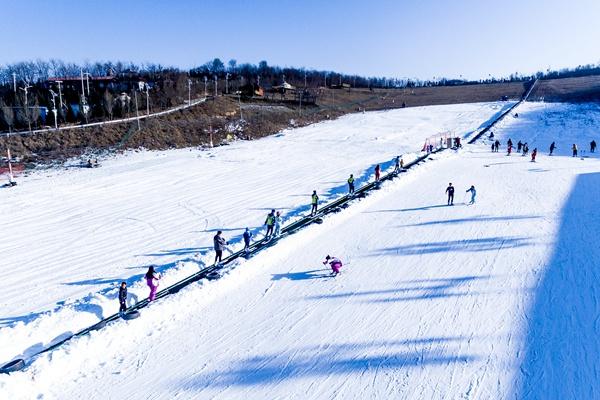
[
  {"x": 491, "y": 301},
  {"x": 72, "y": 235}
]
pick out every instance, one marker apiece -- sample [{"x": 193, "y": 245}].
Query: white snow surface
[{"x": 491, "y": 301}]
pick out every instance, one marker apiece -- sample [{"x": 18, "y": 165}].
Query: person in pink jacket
[
  {"x": 152, "y": 279},
  {"x": 335, "y": 263}
]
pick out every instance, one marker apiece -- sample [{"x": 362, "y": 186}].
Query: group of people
[
  {"x": 152, "y": 279},
  {"x": 523, "y": 148},
  {"x": 450, "y": 193}
]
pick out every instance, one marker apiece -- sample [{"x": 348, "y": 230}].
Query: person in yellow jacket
[
  {"x": 351, "y": 184},
  {"x": 314, "y": 202}
]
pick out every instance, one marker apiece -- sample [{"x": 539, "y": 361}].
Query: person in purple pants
[{"x": 152, "y": 279}]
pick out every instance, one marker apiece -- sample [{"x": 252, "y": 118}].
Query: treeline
[{"x": 119, "y": 89}]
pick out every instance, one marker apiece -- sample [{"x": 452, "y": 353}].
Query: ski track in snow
[{"x": 433, "y": 301}]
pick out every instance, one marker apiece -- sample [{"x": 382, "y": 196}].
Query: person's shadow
[{"x": 303, "y": 275}]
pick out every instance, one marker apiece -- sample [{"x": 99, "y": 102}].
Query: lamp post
[
  {"x": 216, "y": 86},
  {"x": 11, "y": 180},
  {"x": 60, "y": 94},
  {"x": 14, "y": 75},
  {"x": 227, "y": 75},
  {"x": 189, "y": 92},
  {"x": 205, "y": 86},
  {"x": 54, "y": 109}
]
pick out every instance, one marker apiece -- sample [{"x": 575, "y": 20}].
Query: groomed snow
[{"x": 491, "y": 301}]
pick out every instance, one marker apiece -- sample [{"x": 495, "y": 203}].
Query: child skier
[
  {"x": 473, "y": 193},
  {"x": 247, "y": 237},
  {"x": 450, "y": 192},
  {"x": 277, "y": 224},
  {"x": 335, "y": 264},
  {"x": 123, "y": 297},
  {"x": 152, "y": 279}
]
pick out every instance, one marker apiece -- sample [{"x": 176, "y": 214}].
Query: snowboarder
[
  {"x": 270, "y": 223},
  {"x": 533, "y": 154},
  {"x": 278, "y": 220},
  {"x": 314, "y": 200},
  {"x": 593, "y": 146},
  {"x": 450, "y": 191},
  {"x": 473, "y": 193},
  {"x": 351, "y": 184},
  {"x": 247, "y": 236},
  {"x": 219, "y": 244},
  {"x": 152, "y": 279},
  {"x": 519, "y": 146},
  {"x": 552, "y": 147},
  {"x": 335, "y": 264},
  {"x": 123, "y": 297},
  {"x": 574, "y": 148},
  {"x": 377, "y": 172}
]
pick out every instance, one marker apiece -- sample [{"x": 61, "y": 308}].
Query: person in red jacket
[{"x": 377, "y": 172}]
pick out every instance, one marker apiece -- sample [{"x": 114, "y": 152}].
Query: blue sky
[{"x": 402, "y": 38}]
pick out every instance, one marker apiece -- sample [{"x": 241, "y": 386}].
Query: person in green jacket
[
  {"x": 270, "y": 223},
  {"x": 314, "y": 203},
  {"x": 351, "y": 184}
]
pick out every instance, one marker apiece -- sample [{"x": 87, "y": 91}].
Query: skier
[
  {"x": 509, "y": 143},
  {"x": 509, "y": 149},
  {"x": 473, "y": 193},
  {"x": 574, "y": 150},
  {"x": 525, "y": 149},
  {"x": 533, "y": 154},
  {"x": 593, "y": 146},
  {"x": 552, "y": 147},
  {"x": 493, "y": 147},
  {"x": 314, "y": 202},
  {"x": 397, "y": 164},
  {"x": 335, "y": 264},
  {"x": 247, "y": 237},
  {"x": 152, "y": 279},
  {"x": 270, "y": 223},
  {"x": 123, "y": 297},
  {"x": 491, "y": 135},
  {"x": 497, "y": 143},
  {"x": 377, "y": 172},
  {"x": 450, "y": 191},
  {"x": 401, "y": 163},
  {"x": 351, "y": 184},
  {"x": 519, "y": 146},
  {"x": 278, "y": 224},
  {"x": 219, "y": 244}
]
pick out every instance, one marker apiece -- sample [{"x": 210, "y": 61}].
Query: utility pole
[
  {"x": 305, "y": 79},
  {"x": 189, "y": 92},
  {"x": 26, "y": 107},
  {"x": 14, "y": 82},
  {"x": 258, "y": 80},
  {"x": 205, "y": 86},
  {"x": 147, "y": 101},
  {"x": 300, "y": 107},
  {"x": 137, "y": 115},
  {"x": 60, "y": 94},
  {"x": 11, "y": 180},
  {"x": 227, "y": 75},
  {"x": 54, "y": 109},
  {"x": 216, "y": 86},
  {"x": 82, "y": 87},
  {"x": 87, "y": 82}
]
